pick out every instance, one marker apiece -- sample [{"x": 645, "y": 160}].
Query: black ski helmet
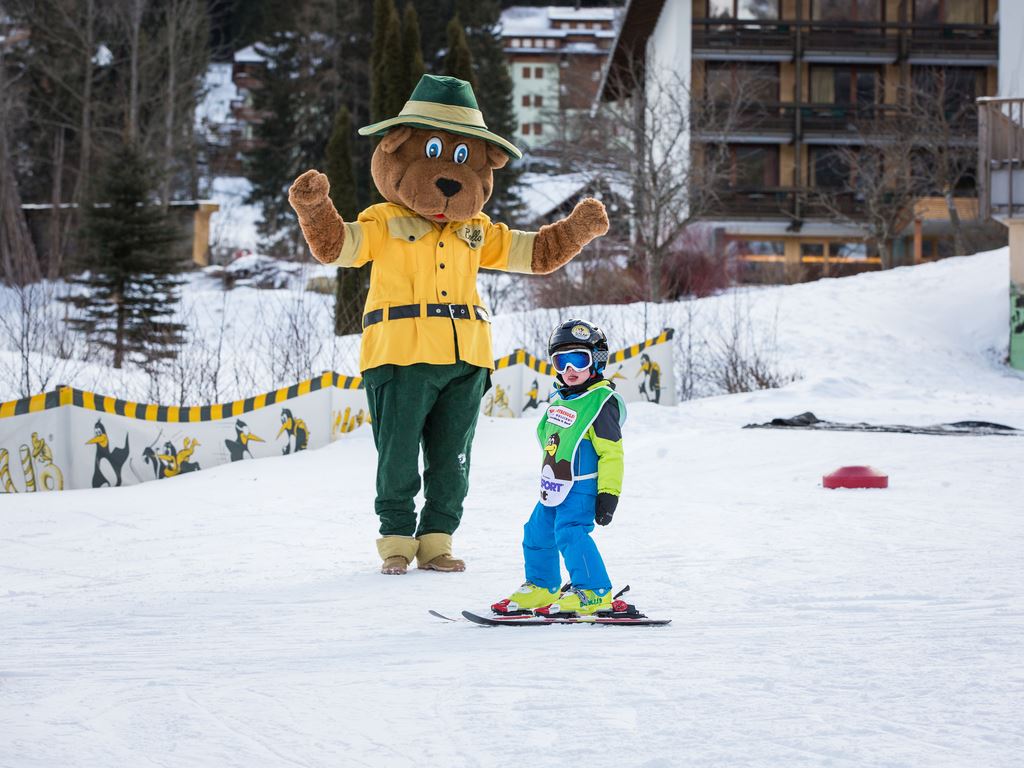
[{"x": 580, "y": 333}]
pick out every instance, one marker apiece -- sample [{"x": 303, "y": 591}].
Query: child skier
[{"x": 581, "y": 478}]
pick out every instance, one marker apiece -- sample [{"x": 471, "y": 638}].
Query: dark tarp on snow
[{"x": 809, "y": 421}]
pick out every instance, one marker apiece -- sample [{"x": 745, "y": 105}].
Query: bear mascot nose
[{"x": 448, "y": 187}]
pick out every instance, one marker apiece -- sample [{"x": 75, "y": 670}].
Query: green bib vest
[{"x": 560, "y": 432}]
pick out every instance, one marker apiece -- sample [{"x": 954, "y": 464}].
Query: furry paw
[
  {"x": 309, "y": 189},
  {"x": 590, "y": 216}
]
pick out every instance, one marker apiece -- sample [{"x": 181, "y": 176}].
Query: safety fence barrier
[{"x": 70, "y": 438}]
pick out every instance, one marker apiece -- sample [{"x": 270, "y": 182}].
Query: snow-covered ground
[{"x": 234, "y": 617}]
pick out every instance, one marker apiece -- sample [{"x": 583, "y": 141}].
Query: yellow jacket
[{"x": 417, "y": 262}]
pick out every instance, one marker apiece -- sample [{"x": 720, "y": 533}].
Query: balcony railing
[
  {"x": 792, "y": 203},
  {"x": 776, "y": 40},
  {"x": 961, "y": 40},
  {"x": 819, "y": 123},
  {"x": 862, "y": 41},
  {"x": 1001, "y": 158},
  {"x": 765, "y": 40}
]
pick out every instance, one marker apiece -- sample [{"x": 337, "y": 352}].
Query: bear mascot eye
[
  {"x": 434, "y": 147},
  {"x": 461, "y": 154}
]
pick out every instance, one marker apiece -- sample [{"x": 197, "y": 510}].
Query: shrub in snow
[{"x": 256, "y": 271}]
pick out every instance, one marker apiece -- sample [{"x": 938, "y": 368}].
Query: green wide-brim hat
[{"x": 445, "y": 103}]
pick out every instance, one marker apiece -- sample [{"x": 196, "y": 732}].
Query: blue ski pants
[{"x": 564, "y": 529}]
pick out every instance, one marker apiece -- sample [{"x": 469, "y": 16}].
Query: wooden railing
[
  {"x": 772, "y": 37},
  {"x": 1001, "y": 157},
  {"x": 869, "y": 119}
]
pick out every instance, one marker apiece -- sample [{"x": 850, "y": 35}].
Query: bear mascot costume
[{"x": 426, "y": 352}]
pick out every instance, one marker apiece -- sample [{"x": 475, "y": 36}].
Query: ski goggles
[{"x": 580, "y": 359}]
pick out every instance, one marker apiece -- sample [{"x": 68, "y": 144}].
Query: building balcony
[
  {"x": 742, "y": 40},
  {"x": 754, "y": 203},
  {"x": 793, "y": 204},
  {"x": 845, "y": 42},
  {"x": 850, "y": 43},
  {"x": 964, "y": 44},
  {"x": 1001, "y": 158},
  {"x": 832, "y": 124},
  {"x": 759, "y": 123}
]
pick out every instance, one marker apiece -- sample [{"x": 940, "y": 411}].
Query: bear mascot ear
[
  {"x": 395, "y": 138},
  {"x": 496, "y": 157}
]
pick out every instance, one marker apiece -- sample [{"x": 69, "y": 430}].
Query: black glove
[{"x": 606, "y": 503}]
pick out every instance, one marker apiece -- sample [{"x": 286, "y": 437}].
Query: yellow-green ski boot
[
  {"x": 579, "y": 602},
  {"x": 525, "y": 599}
]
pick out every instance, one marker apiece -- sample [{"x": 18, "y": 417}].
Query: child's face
[{"x": 572, "y": 377}]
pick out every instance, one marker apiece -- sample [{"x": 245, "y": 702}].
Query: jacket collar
[{"x": 566, "y": 392}]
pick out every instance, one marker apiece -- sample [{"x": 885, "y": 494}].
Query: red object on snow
[{"x": 856, "y": 477}]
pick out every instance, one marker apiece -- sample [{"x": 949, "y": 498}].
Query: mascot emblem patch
[{"x": 581, "y": 332}]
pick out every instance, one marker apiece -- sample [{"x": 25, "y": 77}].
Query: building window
[
  {"x": 831, "y": 168},
  {"x": 847, "y": 10},
  {"x": 538, "y": 129},
  {"x": 757, "y": 250},
  {"x": 723, "y": 81},
  {"x": 850, "y": 251},
  {"x": 526, "y": 129},
  {"x": 812, "y": 252},
  {"x": 526, "y": 72},
  {"x": 538, "y": 101},
  {"x": 753, "y": 166},
  {"x": 951, "y": 11},
  {"x": 526, "y": 100},
  {"x": 743, "y": 9},
  {"x": 955, "y": 88},
  {"x": 845, "y": 85},
  {"x": 538, "y": 72},
  {"x": 552, "y": 43},
  {"x": 515, "y": 42}
]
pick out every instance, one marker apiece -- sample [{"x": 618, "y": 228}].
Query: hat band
[{"x": 447, "y": 112}]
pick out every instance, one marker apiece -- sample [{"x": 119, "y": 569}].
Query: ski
[
  {"x": 538, "y": 621},
  {"x": 432, "y": 612},
  {"x": 498, "y": 618}
]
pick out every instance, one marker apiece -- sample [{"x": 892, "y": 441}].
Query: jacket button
[
  {"x": 412, "y": 237},
  {"x": 440, "y": 245},
  {"x": 444, "y": 293},
  {"x": 442, "y": 265}
]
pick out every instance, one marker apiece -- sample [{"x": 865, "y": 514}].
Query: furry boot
[
  {"x": 396, "y": 552},
  {"x": 435, "y": 554}
]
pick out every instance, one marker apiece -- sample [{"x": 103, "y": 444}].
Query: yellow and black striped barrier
[{"x": 72, "y": 438}]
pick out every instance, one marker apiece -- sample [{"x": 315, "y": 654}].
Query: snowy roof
[
  {"x": 249, "y": 55},
  {"x": 581, "y": 14},
  {"x": 525, "y": 20},
  {"x": 542, "y": 193}
]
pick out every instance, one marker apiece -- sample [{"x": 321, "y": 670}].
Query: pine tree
[
  {"x": 383, "y": 13},
  {"x": 412, "y": 50},
  {"x": 393, "y": 69},
  {"x": 388, "y": 93},
  {"x": 351, "y": 285},
  {"x": 482, "y": 18},
  {"x": 458, "y": 61},
  {"x": 130, "y": 267},
  {"x": 296, "y": 102},
  {"x": 339, "y": 166}
]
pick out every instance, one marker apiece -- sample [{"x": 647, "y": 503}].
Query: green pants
[{"x": 436, "y": 406}]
